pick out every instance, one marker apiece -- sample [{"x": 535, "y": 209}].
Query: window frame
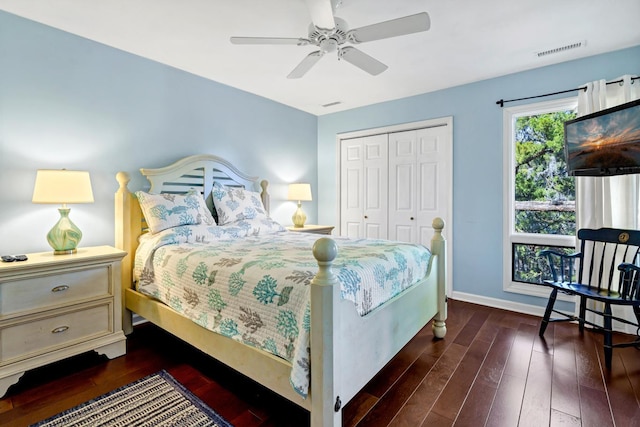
[{"x": 510, "y": 114}]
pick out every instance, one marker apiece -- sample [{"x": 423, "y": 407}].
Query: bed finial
[
  {"x": 438, "y": 224},
  {"x": 123, "y": 179},
  {"x": 325, "y": 250}
]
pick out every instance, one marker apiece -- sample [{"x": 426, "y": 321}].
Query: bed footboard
[{"x": 336, "y": 358}]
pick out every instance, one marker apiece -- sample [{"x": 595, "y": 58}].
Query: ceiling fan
[{"x": 330, "y": 33}]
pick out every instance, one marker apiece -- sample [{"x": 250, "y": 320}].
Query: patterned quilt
[{"x": 250, "y": 281}]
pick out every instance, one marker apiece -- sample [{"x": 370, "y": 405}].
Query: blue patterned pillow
[
  {"x": 235, "y": 204},
  {"x": 163, "y": 211}
]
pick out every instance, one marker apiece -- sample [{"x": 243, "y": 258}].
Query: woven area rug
[{"x": 156, "y": 400}]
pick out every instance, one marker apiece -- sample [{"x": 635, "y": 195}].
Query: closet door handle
[
  {"x": 365, "y": 217},
  {"x": 411, "y": 218}
]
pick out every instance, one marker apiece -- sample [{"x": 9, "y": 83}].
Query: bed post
[
  {"x": 326, "y": 408},
  {"x": 126, "y": 239},
  {"x": 439, "y": 248}
]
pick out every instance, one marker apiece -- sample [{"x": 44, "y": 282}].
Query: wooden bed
[{"x": 338, "y": 333}]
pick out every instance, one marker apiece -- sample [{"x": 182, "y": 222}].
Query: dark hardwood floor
[{"x": 492, "y": 369}]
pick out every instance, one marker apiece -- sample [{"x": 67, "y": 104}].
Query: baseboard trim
[{"x": 499, "y": 303}]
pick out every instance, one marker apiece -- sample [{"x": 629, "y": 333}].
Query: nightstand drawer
[
  {"x": 43, "y": 335},
  {"x": 39, "y": 293}
]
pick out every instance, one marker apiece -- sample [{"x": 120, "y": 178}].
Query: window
[{"x": 539, "y": 195}]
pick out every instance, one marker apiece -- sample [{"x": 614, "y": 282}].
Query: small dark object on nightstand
[{"x": 12, "y": 258}]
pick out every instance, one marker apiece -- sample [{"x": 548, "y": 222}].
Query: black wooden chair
[{"x": 607, "y": 272}]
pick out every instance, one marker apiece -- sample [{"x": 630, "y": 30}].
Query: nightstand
[
  {"x": 56, "y": 306},
  {"x": 316, "y": 229}
]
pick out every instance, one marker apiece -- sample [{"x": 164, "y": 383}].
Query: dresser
[
  {"x": 56, "y": 306},
  {"x": 315, "y": 229}
]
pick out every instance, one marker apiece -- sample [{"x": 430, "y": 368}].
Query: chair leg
[
  {"x": 583, "y": 312},
  {"x": 547, "y": 312},
  {"x": 636, "y": 311},
  {"x": 608, "y": 336}
]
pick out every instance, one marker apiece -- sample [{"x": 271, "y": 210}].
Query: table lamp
[
  {"x": 302, "y": 193},
  {"x": 62, "y": 187}
]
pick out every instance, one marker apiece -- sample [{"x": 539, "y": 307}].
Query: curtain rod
[{"x": 503, "y": 101}]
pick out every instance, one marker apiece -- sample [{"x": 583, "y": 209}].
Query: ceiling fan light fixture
[{"x": 328, "y": 45}]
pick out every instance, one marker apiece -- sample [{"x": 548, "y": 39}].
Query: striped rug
[{"x": 156, "y": 400}]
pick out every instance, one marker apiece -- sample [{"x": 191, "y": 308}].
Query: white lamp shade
[
  {"x": 300, "y": 192},
  {"x": 62, "y": 186}
]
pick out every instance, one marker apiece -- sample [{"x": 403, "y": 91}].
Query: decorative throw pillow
[
  {"x": 235, "y": 203},
  {"x": 203, "y": 210},
  {"x": 163, "y": 211}
]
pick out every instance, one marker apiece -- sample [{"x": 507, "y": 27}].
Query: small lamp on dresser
[
  {"x": 300, "y": 192},
  {"x": 61, "y": 187}
]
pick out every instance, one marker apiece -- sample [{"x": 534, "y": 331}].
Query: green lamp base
[
  {"x": 64, "y": 236},
  {"x": 299, "y": 217}
]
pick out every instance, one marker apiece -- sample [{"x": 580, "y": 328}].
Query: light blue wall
[
  {"x": 477, "y": 155},
  {"x": 67, "y": 102}
]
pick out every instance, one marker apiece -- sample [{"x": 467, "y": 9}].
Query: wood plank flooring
[{"x": 491, "y": 369}]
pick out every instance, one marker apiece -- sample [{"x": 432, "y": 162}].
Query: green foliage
[
  {"x": 541, "y": 173},
  {"x": 529, "y": 267},
  {"x": 546, "y": 222}
]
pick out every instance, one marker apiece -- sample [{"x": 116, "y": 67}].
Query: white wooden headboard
[{"x": 199, "y": 172}]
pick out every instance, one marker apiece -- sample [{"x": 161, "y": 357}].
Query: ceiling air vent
[
  {"x": 331, "y": 104},
  {"x": 575, "y": 45}
]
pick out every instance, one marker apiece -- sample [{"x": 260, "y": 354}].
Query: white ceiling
[{"x": 469, "y": 40}]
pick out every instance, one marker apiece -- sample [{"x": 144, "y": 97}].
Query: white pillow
[
  {"x": 235, "y": 204},
  {"x": 163, "y": 211}
]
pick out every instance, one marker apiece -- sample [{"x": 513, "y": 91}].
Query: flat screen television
[{"x": 604, "y": 143}]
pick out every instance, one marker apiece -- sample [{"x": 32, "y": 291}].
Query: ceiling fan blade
[
  {"x": 306, "y": 64},
  {"x": 395, "y": 27},
  {"x": 362, "y": 60},
  {"x": 269, "y": 40},
  {"x": 321, "y": 12}
]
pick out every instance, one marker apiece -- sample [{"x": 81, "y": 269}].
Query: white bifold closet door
[
  {"x": 394, "y": 184},
  {"x": 418, "y": 162},
  {"x": 364, "y": 176}
]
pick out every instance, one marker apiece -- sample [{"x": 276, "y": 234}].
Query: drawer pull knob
[
  {"x": 59, "y": 329},
  {"x": 60, "y": 288}
]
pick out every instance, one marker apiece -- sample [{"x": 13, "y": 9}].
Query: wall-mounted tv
[{"x": 604, "y": 143}]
